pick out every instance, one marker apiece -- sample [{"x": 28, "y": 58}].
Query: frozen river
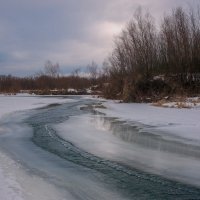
[{"x": 69, "y": 151}]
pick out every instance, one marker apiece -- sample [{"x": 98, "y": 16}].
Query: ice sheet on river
[
  {"x": 156, "y": 140},
  {"x": 15, "y": 184},
  {"x": 93, "y": 160},
  {"x": 29, "y": 172}
]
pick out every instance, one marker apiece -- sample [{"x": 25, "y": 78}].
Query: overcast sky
[{"x": 70, "y": 32}]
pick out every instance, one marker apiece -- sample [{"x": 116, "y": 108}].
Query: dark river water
[{"x": 81, "y": 170}]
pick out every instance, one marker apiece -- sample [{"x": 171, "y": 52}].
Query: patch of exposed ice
[{"x": 182, "y": 122}]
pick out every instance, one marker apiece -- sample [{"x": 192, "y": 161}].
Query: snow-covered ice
[
  {"x": 101, "y": 136},
  {"x": 14, "y": 103},
  {"x": 27, "y": 172},
  {"x": 14, "y": 182}
]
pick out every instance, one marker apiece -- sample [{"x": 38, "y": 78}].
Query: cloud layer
[{"x": 71, "y": 32}]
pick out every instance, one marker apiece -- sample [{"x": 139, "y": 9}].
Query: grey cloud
[{"x": 71, "y": 32}]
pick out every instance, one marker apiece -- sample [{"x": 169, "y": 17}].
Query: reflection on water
[{"x": 146, "y": 137}]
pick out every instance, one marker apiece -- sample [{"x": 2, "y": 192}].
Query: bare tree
[
  {"x": 51, "y": 69},
  {"x": 76, "y": 72},
  {"x": 93, "y": 71},
  {"x": 142, "y": 51}
]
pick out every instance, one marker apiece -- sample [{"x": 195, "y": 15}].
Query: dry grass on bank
[{"x": 178, "y": 102}]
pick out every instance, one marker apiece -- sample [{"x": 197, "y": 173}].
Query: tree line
[
  {"x": 50, "y": 78},
  {"x": 155, "y": 60}
]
